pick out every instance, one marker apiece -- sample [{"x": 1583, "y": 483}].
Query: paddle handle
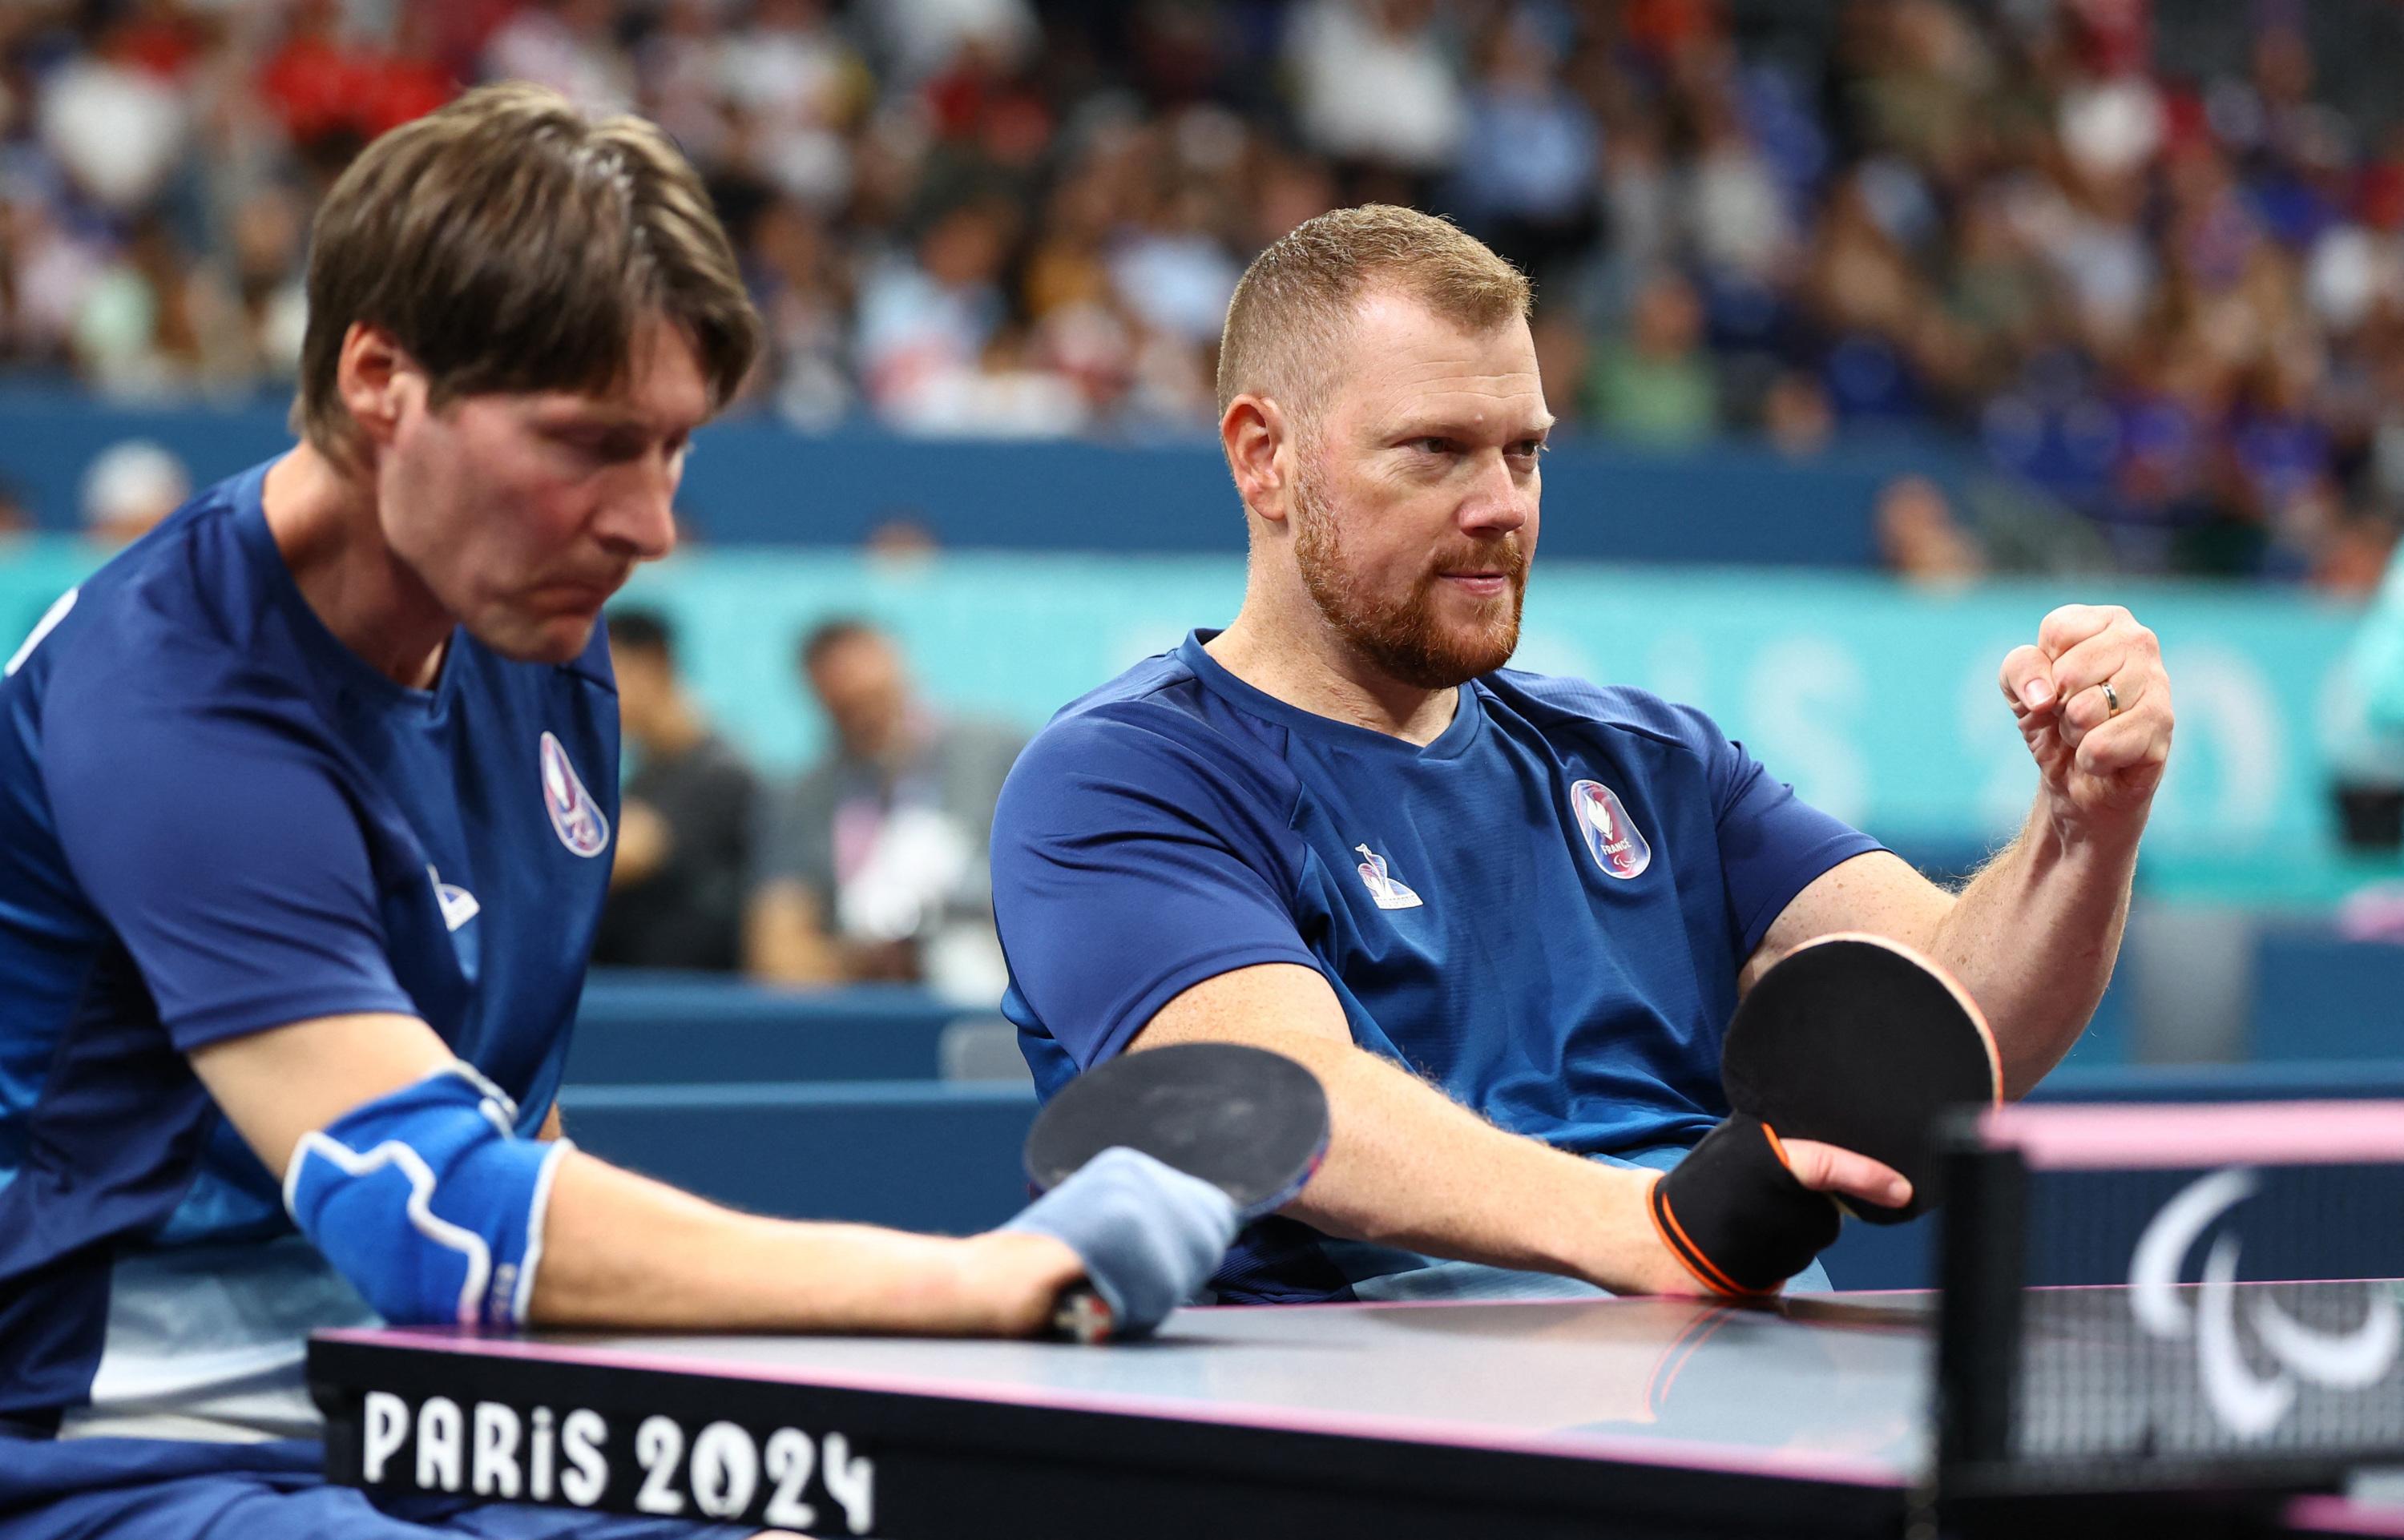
[{"x": 1080, "y": 1314}]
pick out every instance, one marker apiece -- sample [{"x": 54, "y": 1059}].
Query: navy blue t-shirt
[
  {"x": 1544, "y": 911},
  {"x": 215, "y": 819}
]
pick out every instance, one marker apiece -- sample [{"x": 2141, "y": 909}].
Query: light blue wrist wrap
[{"x": 1150, "y": 1235}]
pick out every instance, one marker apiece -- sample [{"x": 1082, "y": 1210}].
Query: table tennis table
[
  {"x": 1637, "y": 1417},
  {"x": 2195, "y": 1401}
]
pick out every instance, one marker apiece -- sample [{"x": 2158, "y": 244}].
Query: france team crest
[
  {"x": 1618, "y": 847},
  {"x": 575, "y": 816},
  {"x": 1378, "y": 878}
]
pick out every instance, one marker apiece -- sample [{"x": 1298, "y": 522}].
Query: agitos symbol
[{"x": 2247, "y": 1404}]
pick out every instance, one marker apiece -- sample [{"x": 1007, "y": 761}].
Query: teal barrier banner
[{"x": 1879, "y": 703}]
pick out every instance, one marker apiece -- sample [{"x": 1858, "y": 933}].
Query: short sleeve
[
  {"x": 1129, "y": 865},
  {"x": 1772, "y": 843},
  {"x": 225, "y": 855}
]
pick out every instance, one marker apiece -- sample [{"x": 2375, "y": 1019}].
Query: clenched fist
[{"x": 2095, "y": 706}]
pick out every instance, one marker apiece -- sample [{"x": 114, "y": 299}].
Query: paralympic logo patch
[
  {"x": 575, "y": 816},
  {"x": 1617, "y": 845},
  {"x": 2249, "y": 1404}
]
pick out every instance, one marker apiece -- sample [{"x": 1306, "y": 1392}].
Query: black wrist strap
[{"x": 1736, "y": 1216}]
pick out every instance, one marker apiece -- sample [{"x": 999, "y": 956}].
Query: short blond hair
[
  {"x": 511, "y": 243},
  {"x": 1287, "y": 321}
]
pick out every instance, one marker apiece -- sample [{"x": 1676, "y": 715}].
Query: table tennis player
[
  {"x": 1503, "y": 916},
  {"x": 305, "y": 809}
]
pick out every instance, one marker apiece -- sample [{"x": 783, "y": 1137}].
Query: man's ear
[
  {"x": 372, "y": 375},
  {"x": 1259, "y": 438}
]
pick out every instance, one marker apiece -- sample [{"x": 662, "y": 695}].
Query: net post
[{"x": 1982, "y": 1264}]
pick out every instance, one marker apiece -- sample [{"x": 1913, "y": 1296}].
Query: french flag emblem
[
  {"x": 575, "y": 816},
  {"x": 1384, "y": 892},
  {"x": 1617, "y": 847}
]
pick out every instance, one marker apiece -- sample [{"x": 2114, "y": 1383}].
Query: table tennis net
[{"x": 2188, "y": 1289}]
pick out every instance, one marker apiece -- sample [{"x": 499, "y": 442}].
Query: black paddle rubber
[
  {"x": 1251, "y": 1123},
  {"x": 1861, "y": 1042}
]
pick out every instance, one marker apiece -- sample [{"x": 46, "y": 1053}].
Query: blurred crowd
[
  {"x": 2171, "y": 304},
  {"x": 868, "y": 867}
]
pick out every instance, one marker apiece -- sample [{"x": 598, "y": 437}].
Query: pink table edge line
[
  {"x": 1767, "y": 1307},
  {"x": 1841, "y": 1470},
  {"x": 1670, "y": 1300},
  {"x": 2344, "y": 1515},
  {"x": 2104, "y": 1136},
  {"x": 2184, "y": 1286}
]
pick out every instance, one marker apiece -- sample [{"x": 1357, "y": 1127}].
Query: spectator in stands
[
  {"x": 147, "y": 323},
  {"x": 1378, "y": 83},
  {"x": 1529, "y": 154},
  {"x": 799, "y": 85},
  {"x": 332, "y": 90},
  {"x": 900, "y": 537},
  {"x": 681, "y": 871},
  {"x": 15, "y": 517},
  {"x": 1657, "y": 385},
  {"x": 272, "y": 309},
  {"x": 872, "y": 866},
  {"x": 802, "y": 287},
  {"x": 1795, "y": 415},
  {"x": 113, "y": 119},
  {"x": 1918, "y": 538},
  {"x": 919, "y": 38},
  {"x": 569, "y": 46},
  {"x": 925, "y": 321},
  {"x": 129, "y": 487}
]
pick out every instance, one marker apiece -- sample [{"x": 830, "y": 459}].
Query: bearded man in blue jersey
[
  {"x": 305, "y": 806},
  {"x": 1505, "y": 918}
]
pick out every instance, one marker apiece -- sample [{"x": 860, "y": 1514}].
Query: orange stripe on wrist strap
[{"x": 1691, "y": 1256}]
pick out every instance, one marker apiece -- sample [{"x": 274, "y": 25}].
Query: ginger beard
[{"x": 1402, "y": 635}]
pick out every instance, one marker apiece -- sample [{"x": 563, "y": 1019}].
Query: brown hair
[
  {"x": 1287, "y": 320},
  {"x": 511, "y": 244}
]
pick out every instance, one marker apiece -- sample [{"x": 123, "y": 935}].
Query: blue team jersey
[
  {"x": 215, "y": 819},
  {"x": 1544, "y": 911}
]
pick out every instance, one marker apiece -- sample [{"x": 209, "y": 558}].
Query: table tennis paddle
[
  {"x": 1859, "y": 1042},
  {"x": 1251, "y": 1123},
  {"x": 1851, "y": 1040}
]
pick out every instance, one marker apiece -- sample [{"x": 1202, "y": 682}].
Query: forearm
[
  {"x": 2035, "y": 935},
  {"x": 1408, "y": 1167},
  {"x": 620, "y": 1250}
]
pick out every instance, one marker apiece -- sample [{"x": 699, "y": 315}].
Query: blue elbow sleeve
[{"x": 427, "y": 1201}]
